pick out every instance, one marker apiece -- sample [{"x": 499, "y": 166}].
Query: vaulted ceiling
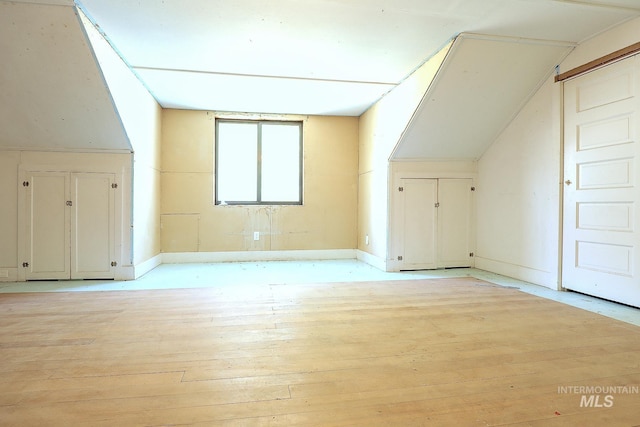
[
  {"x": 333, "y": 57},
  {"x": 316, "y": 56}
]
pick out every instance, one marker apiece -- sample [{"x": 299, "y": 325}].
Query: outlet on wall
[
  {"x": 366, "y": 239},
  {"x": 256, "y": 235}
]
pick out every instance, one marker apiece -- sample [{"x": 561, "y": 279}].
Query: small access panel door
[
  {"x": 92, "y": 226},
  {"x": 419, "y": 223},
  {"x": 47, "y": 246},
  {"x": 454, "y": 222}
]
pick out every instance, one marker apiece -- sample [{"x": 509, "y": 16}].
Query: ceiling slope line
[
  {"x": 600, "y": 5},
  {"x": 263, "y": 76},
  {"x": 519, "y": 40}
]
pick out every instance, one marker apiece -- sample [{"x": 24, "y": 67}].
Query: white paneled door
[
  {"x": 601, "y": 242},
  {"x": 454, "y": 222},
  {"x": 92, "y": 227},
  {"x": 70, "y": 231},
  {"x": 419, "y": 221},
  {"x": 436, "y": 223},
  {"x": 48, "y": 249}
]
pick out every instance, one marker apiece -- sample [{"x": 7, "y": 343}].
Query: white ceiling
[
  {"x": 482, "y": 83},
  {"x": 332, "y": 57}
]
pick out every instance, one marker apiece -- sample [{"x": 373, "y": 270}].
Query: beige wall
[
  {"x": 9, "y": 161},
  {"x": 140, "y": 115},
  {"x": 519, "y": 178},
  {"x": 381, "y": 128},
  {"x": 192, "y": 223}
]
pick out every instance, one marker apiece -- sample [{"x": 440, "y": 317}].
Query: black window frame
[{"x": 259, "y": 201}]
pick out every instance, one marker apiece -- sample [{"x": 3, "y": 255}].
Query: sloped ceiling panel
[
  {"x": 228, "y": 92},
  {"x": 318, "y": 56},
  {"x": 482, "y": 84},
  {"x": 52, "y": 94}
]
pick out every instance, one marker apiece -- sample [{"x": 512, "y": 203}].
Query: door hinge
[
  {"x": 25, "y": 183},
  {"x": 473, "y": 188},
  {"x": 400, "y": 188},
  {"x": 25, "y": 264},
  {"x": 114, "y": 185},
  {"x": 437, "y": 205},
  {"x": 114, "y": 264},
  {"x": 400, "y": 258},
  {"x": 69, "y": 203},
  {"x": 471, "y": 254}
]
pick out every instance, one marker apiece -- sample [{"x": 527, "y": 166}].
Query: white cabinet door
[
  {"x": 601, "y": 243},
  {"x": 70, "y": 227},
  {"x": 92, "y": 226},
  {"x": 454, "y": 222},
  {"x": 419, "y": 221},
  {"x": 436, "y": 223},
  {"x": 47, "y": 237}
]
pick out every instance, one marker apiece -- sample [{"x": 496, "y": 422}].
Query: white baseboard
[
  {"x": 531, "y": 275},
  {"x": 372, "y": 260},
  {"x": 9, "y": 274},
  {"x": 249, "y": 256},
  {"x": 125, "y": 272},
  {"x": 147, "y": 266}
]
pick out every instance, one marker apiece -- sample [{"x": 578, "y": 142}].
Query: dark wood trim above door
[{"x": 604, "y": 60}]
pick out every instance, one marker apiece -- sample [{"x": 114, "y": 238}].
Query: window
[{"x": 258, "y": 162}]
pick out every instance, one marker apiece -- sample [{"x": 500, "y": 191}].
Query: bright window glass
[
  {"x": 238, "y": 154},
  {"x": 280, "y": 163},
  {"x": 258, "y": 162}
]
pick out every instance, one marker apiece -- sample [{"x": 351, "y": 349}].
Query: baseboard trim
[
  {"x": 146, "y": 266},
  {"x": 9, "y": 274},
  {"x": 249, "y": 256},
  {"x": 531, "y": 275},
  {"x": 372, "y": 260},
  {"x": 126, "y": 272}
]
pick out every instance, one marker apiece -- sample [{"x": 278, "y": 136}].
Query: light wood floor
[{"x": 400, "y": 353}]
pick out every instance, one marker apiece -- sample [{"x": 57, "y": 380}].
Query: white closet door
[
  {"x": 418, "y": 199},
  {"x": 601, "y": 249},
  {"x": 454, "y": 222},
  {"x": 92, "y": 226},
  {"x": 48, "y": 250}
]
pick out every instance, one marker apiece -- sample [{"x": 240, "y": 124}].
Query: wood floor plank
[{"x": 417, "y": 352}]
